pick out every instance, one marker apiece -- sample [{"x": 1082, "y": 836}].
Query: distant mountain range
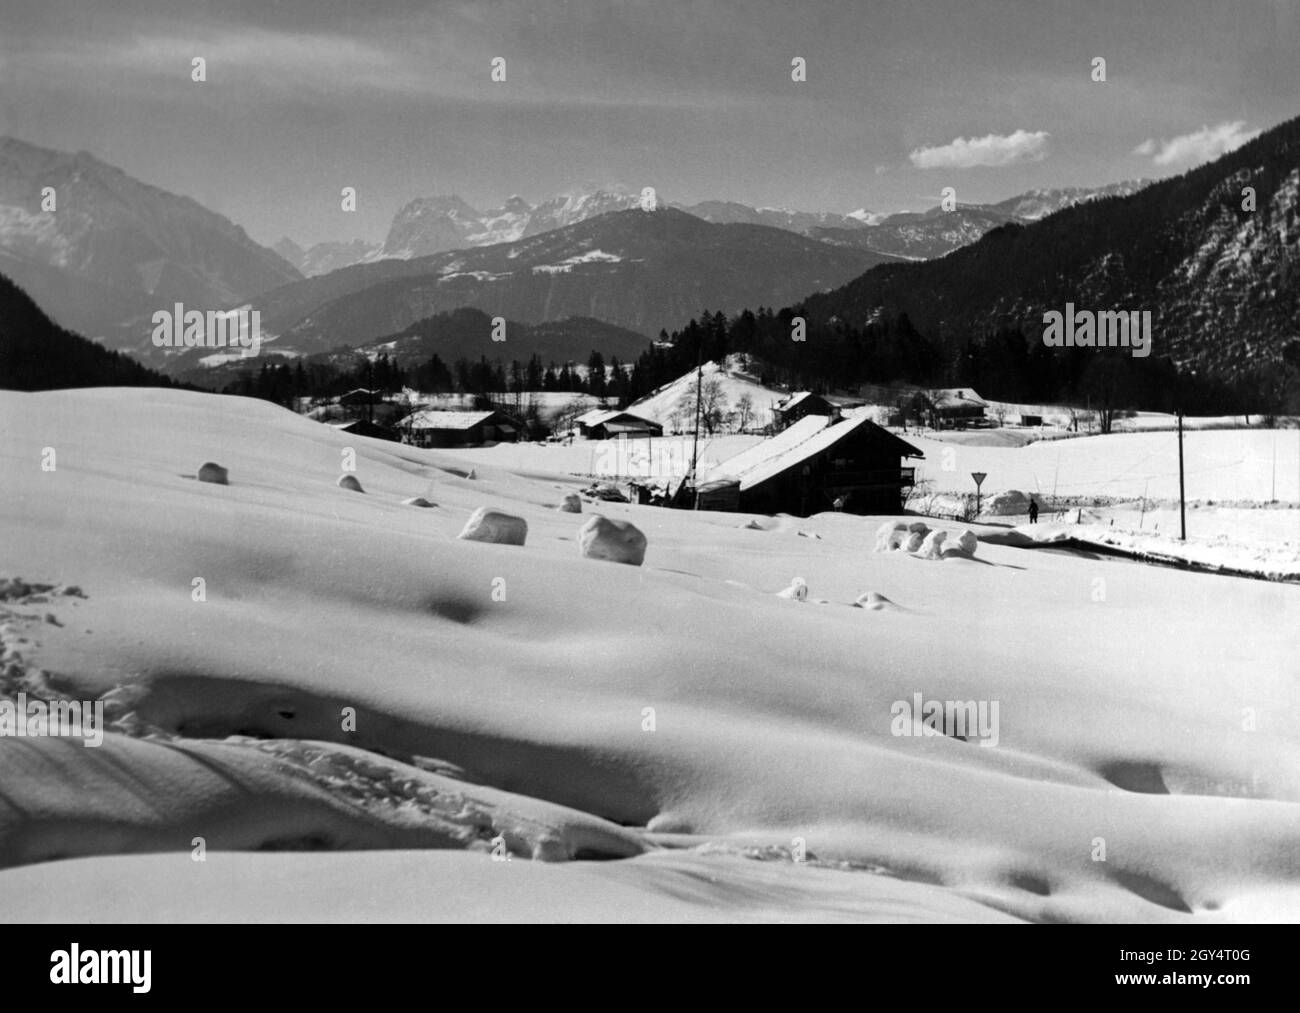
[
  {"x": 432, "y": 225},
  {"x": 115, "y": 249},
  {"x": 935, "y": 233},
  {"x": 639, "y": 270},
  {"x": 1222, "y": 281}
]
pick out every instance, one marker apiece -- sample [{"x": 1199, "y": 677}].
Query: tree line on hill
[
  {"x": 37, "y": 354},
  {"x": 1003, "y": 365}
]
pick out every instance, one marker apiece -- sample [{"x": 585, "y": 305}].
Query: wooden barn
[
  {"x": 458, "y": 429},
  {"x": 820, "y": 463},
  {"x": 605, "y": 424}
]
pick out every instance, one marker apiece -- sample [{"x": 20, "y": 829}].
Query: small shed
[{"x": 458, "y": 429}]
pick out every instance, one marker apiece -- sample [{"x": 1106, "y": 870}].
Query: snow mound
[
  {"x": 932, "y": 547},
  {"x": 615, "y": 541},
  {"x": 919, "y": 526},
  {"x": 487, "y": 525},
  {"x": 213, "y": 473},
  {"x": 350, "y": 482},
  {"x": 873, "y": 601},
  {"x": 889, "y": 535},
  {"x": 797, "y": 591},
  {"x": 571, "y": 504},
  {"x": 965, "y": 544},
  {"x": 914, "y": 541},
  {"x": 417, "y": 501},
  {"x": 1012, "y": 502}
]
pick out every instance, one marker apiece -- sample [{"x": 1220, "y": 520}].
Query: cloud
[
  {"x": 1202, "y": 145},
  {"x": 993, "y": 150}
]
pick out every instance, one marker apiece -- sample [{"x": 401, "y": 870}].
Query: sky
[{"x": 695, "y": 98}]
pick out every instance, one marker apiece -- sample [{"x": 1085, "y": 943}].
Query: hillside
[
  {"x": 116, "y": 249},
  {"x": 37, "y": 354},
  {"x": 773, "y": 781},
  {"x": 1222, "y": 283}
]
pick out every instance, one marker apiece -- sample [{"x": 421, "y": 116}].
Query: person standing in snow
[{"x": 1033, "y": 512}]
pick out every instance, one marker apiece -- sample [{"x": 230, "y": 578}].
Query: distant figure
[{"x": 1033, "y": 512}]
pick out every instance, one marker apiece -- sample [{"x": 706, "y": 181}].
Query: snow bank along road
[{"x": 321, "y": 704}]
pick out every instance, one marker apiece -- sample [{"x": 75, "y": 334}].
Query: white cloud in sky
[
  {"x": 991, "y": 150},
  {"x": 1198, "y": 147}
]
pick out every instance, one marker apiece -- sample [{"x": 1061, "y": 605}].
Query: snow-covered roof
[
  {"x": 597, "y": 416},
  {"x": 747, "y": 461},
  {"x": 957, "y": 397},
  {"x": 432, "y": 419},
  {"x": 806, "y": 438},
  {"x": 594, "y": 417},
  {"x": 797, "y": 398}
]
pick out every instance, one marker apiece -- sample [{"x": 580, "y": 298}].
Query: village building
[
  {"x": 819, "y": 463},
  {"x": 364, "y": 427},
  {"x": 798, "y": 405},
  {"x": 956, "y": 408},
  {"x": 458, "y": 429},
  {"x": 359, "y": 397},
  {"x": 606, "y": 424}
]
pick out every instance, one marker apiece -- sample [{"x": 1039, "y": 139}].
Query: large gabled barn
[{"x": 817, "y": 464}]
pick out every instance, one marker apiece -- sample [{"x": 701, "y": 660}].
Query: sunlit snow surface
[{"x": 364, "y": 708}]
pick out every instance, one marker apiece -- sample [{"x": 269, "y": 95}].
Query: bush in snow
[
  {"x": 571, "y": 504},
  {"x": 798, "y": 590},
  {"x": 966, "y": 543},
  {"x": 913, "y": 541},
  {"x": 213, "y": 473},
  {"x": 350, "y": 482},
  {"x": 616, "y": 541},
  {"x": 919, "y": 527},
  {"x": 487, "y": 525},
  {"x": 932, "y": 547}
]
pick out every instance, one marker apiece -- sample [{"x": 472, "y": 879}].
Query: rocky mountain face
[
  {"x": 1213, "y": 254},
  {"x": 114, "y": 248}
]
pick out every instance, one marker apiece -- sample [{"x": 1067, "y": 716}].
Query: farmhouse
[
  {"x": 604, "y": 424},
  {"x": 458, "y": 429},
  {"x": 808, "y": 467},
  {"x": 956, "y": 407},
  {"x": 799, "y": 405}
]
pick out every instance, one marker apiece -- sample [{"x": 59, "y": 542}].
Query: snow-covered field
[{"x": 349, "y": 713}]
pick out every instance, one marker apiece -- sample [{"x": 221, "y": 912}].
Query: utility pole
[
  {"x": 1182, "y": 502},
  {"x": 695, "y": 449}
]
